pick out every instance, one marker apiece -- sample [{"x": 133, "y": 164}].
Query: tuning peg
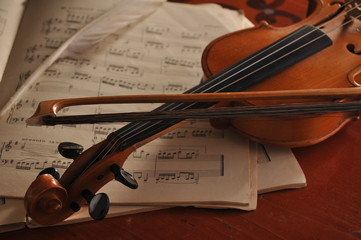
[
  {"x": 124, "y": 177},
  {"x": 52, "y": 171},
  {"x": 70, "y": 150},
  {"x": 98, "y": 204}
]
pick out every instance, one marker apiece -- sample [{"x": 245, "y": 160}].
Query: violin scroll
[
  {"x": 45, "y": 197},
  {"x": 51, "y": 199}
]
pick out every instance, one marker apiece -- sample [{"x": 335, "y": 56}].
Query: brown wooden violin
[{"x": 314, "y": 64}]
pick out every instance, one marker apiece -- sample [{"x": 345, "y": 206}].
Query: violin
[{"x": 256, "y": 69}]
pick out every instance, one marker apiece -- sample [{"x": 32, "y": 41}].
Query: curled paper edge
[{"x": 77, "y": 41}]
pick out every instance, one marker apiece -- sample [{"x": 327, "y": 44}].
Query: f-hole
[{"x": 351, "y": 48}]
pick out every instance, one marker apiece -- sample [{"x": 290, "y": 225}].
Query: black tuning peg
[
  {"x": 124, "y": 177},
  {"x": 98, "y": 204},
  {"x": 52, "y": 171},
  {"x": 70, "y": 150}
]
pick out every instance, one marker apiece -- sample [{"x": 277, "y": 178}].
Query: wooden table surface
[{"x": 328, "y": 208}]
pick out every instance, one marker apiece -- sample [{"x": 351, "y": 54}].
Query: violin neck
[{"x": 270, "y": 60}]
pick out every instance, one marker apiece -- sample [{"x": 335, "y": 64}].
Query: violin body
[
  {"x": 336, "y": 64},
  {"x": 333, "y": 67}
]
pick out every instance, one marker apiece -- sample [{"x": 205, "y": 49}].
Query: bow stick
[{"x": 46, "y": 113}]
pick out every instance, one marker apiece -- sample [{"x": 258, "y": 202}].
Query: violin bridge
[{"x": 353, "y": 10}]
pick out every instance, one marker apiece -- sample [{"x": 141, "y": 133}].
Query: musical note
[
  {"x": 24, "y": 165},
  {"x": 187, "y": 155},
  {"x": 49, "y": 25},
  {"x": 19, "y": 112},
  {"x": 128, "y": 84},
  {"x": 40, "y": 165},
  {"x": 68, "y": 60},
  {"x": 126, "y": 52},
  {"x": 165, "y": 177},
  {"x": 103, "y": 130},
  {"x": 34, "y": 48},
  {"x": 140, "y": 154},
  {"x": 8, "y": 146},
  {"x": 156, "y": 44},
  {"x": 32, "y": 103},
  {"x": 30, "y": 58},
  {"x": 53, "y": 86},
  {"x": 175, "y": 61},
  {"x": 31, "y": 153},
  {"x": 180, "y": 134},
  {"x": 179, "y": 177},
  {"x": 193, "y": 35},
  {"x": 3, "y": 162},
  {"x": 61, "y": 164},
  {"x": 180, "y": 66},
  {"x": 52, "y": 73},
  {"x": 78, "y": 18},
  {"x": 157, "y": 30},
  {"x": 170, "y": 169},
  {"x": 81, "y": 76},
  {"x": 33, "y": 165},
  {"x": 178, "y": 154},
  {"x": 166, "y": 155},
  {"x": 171, "y": 87},
  {"x": 192, "y": 49},
  {"x": 17, "y": 120},
  {"x": 22, "y": 77},
  {"x": 55, "y": 25},
  {"x": 53, "y": 43},
  {"x": 70, "y": 30},
  {"x": 125, "y": 69},
  {"x": 207, "y": 133},
  {"x": 141, "y": 175},
  {"x": 188, "y": 176}
]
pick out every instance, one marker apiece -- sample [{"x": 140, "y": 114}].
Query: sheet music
[
  {"x": 10, "y": 16},
  {"x": 184, "y": 175},
  {"x": 155, "y": 56},
  {"x": 39, "y": 37},
  {"x": 181, "y": 172},
  {"x": 12, "y": 215},
  {"x": 278, "y": 169}
]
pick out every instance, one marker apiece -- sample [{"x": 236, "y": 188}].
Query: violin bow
[{"x": 46, "y": 113}]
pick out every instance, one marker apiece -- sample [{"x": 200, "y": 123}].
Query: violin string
[
  {"x": 248, "y": 66},
  {"x": 296, "y": 49},
  {"x": 116, "y": 140},
  {"x": 216, "y": 79}
]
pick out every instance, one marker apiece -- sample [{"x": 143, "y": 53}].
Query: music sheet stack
[{"x": 194, "y": 165}]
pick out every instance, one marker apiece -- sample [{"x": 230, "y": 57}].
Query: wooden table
[{"x": 328, "y": 208}]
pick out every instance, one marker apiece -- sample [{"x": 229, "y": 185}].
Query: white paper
[
  {"x": 12, "y": 215},
  {"x": 10, "y": 16},
  {"x": 278, "y": 169}
]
